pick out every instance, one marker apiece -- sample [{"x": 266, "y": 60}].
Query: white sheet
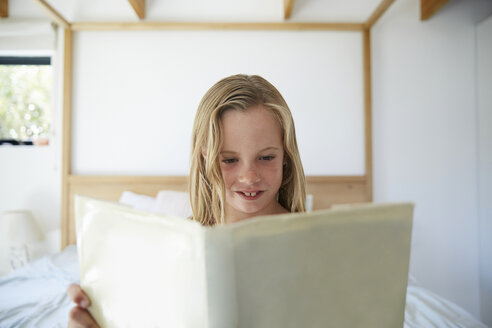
[
  {"x": 427, "y": 309},
  {"x": 35, "y": 296}
]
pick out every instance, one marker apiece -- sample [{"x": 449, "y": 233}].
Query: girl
[{"x": 244, "y": 162}]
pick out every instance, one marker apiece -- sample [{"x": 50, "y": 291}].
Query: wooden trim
[
  {"x": 336, "y": 179},
  {"x": 429, "y": 8},
  {"x": 66, "y": 132},
  {"x": 378, "y": 12},
  {"x": 328, "y": 191},
  {"x": 366, "y": 36},
  {"x": 282, "y": 26},
  {"x": 139, "y": 7},
  {"x": 288, "y": 6},
  {"x": 4, "y": 8},
  {"x": 54, "y": 15}
]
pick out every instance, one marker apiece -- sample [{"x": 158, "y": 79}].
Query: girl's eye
[
  {"x": 267, "y": 158},
  {"x": 229, "y": 160}
]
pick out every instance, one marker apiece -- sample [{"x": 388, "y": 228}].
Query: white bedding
[
  {"x": 35, "y": 296},
  {"x": 427, "y": 309}
]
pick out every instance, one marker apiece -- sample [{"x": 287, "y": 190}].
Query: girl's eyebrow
[{"x": 264, "y": 149}]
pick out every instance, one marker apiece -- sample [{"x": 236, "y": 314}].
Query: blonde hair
[{"x": 239, "y": 92}]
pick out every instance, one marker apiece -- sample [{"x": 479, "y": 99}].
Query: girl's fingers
[
  {"x": 78, "y": 296},
  {"x": 81, "y": 318}
]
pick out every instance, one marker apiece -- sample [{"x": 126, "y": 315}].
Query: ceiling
[{"x": 200, "y": 10}]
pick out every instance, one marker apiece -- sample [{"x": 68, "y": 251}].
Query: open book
[{"x": 343, "y": 267}]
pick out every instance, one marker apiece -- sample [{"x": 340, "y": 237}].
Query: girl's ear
[{"x": 204, "y": 153}]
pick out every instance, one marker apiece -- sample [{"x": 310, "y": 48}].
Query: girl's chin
[
  {"x": 251, "y": 210},
  {"x": 243, "y": 207}
]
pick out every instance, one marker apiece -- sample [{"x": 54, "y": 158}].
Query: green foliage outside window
[{"x": 25, "y": 101}]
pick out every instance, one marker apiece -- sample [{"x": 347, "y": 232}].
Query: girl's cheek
[
  {"x": 227, "y": 173},
  {"x": 226, "y": 167},
  {"x": 272, "y": 165}
]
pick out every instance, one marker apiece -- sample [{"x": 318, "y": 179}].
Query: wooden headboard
[{"x": 326, "y": 191}]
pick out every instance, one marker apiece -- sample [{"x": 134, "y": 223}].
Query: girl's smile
[{"x": 251, "y": 195}]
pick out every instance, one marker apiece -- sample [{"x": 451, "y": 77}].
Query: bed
[{"x": 35, "y": 295}]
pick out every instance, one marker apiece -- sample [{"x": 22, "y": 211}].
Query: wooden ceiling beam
[
  {"x": 4, "y": 8},
  {"x": 378, "y": 12},
  {"x": 53, "y": 14},
  {"x": 138, "y": 7},
  {"x": 429, "y": 7},
  {"x": 288, "y": 6}
]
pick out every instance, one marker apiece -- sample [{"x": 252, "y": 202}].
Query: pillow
[
  {"x": 309, "y": 202},
  {"x": 175, "y": 203},
  {"x": 137, "y": 201}
]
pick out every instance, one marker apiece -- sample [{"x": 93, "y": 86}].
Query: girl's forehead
[
  {"x": 253, "y": 115},
  {"x": 254, "y": 128}
]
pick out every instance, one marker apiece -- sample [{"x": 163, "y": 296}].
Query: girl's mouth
[{"x": 250, "y": 195}]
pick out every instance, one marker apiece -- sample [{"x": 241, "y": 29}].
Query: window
[{"x": 25, "y": 100}]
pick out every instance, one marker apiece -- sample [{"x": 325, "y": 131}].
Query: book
[{"x": 342, "y": 267}]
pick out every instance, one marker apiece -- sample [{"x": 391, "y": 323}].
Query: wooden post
[
  {"x": 4, "y": 8},
  {"x": 66, "y": 135},
  {"x": 288, "y": 6},
  {"x": 367, "y": 110}
]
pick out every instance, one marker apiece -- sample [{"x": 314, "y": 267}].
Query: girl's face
[{"x": 251, "y": 161}]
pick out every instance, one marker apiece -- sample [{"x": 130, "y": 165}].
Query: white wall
[
  {"x": 484, "y": 84},
  {"x": 425, "y": 138},
  {"x": 30, "y": 181},
  {"x": 26, "y": 35},
  {"x": 133, "y": 106}
]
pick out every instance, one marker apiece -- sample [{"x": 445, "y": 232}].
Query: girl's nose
[{"x": 249, "y": 177}]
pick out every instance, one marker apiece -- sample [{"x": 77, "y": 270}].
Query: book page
[
  {"x": 140, "y": 269},
  {"x": 332, "y": 268}
]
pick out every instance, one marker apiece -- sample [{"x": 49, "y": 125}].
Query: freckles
[
  {"x": 274, "y": 166},
  {"x": 225, "y": 168},
  {"x": 227, "y": 175},
  {"x": 274, "y": 173},
  {"x": 224, "y": 174}
]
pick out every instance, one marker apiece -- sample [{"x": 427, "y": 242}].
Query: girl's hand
[{"x": 79, "y": 316}]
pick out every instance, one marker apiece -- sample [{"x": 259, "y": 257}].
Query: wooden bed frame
[{"x": 327, "y": 190}]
